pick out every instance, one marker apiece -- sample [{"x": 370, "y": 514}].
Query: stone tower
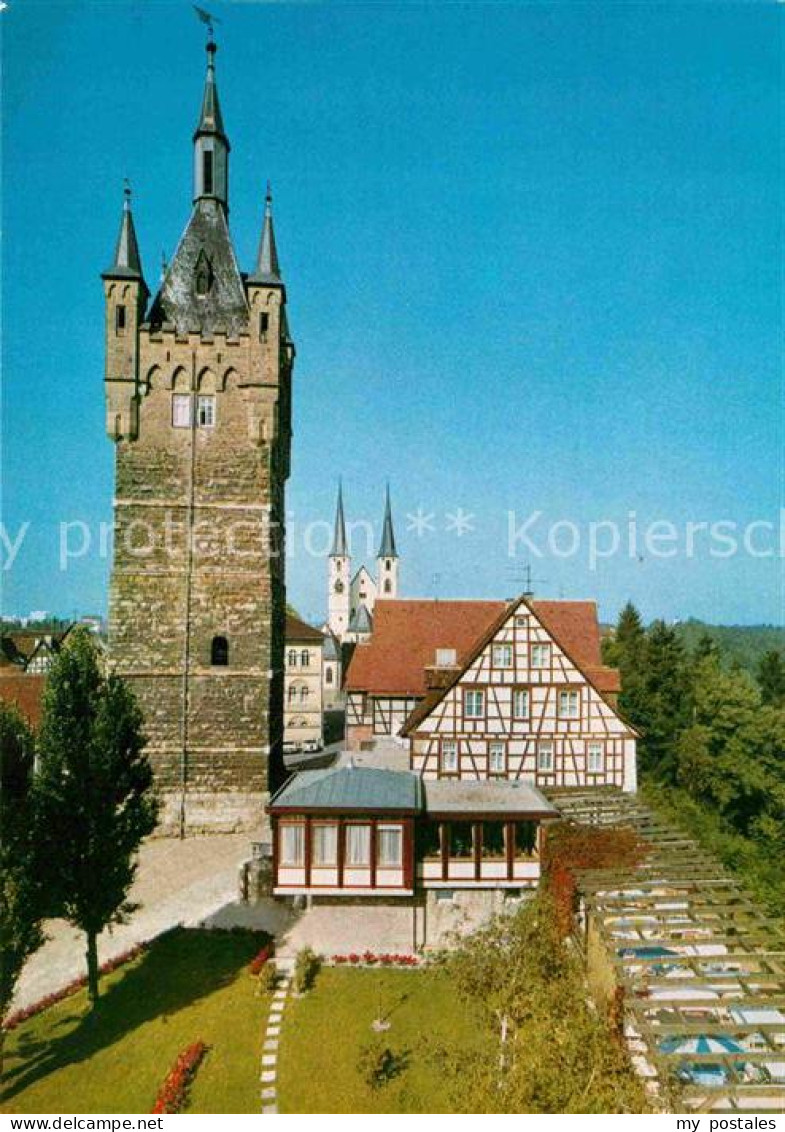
[
  {"x": 198, "y": 405},
  {"x": 339, "y": 581},
  {"x": 387, "y": 558}
]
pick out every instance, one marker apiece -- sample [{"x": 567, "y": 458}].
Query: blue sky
[{"x": 534, "y": 264}]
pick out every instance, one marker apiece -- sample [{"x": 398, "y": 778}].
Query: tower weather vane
[{"x": 206, "y": 19}]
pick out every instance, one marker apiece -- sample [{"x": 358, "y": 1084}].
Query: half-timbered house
[{"x": 531, "y": 702}]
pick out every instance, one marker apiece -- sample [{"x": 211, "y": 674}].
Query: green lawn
[
  {"x": 324, "y": 1031},
  {"x": 190, "y": 985}
]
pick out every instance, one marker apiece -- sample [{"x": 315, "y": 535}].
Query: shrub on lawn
[
  {"x": 378, "y": 1064},
  {"x": 268, "y": 979},
  {"x": 174, "y": 1092},
  {"x": 306, "y": 968}
]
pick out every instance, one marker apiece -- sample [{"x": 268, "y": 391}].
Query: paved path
[{"x": 178, "y": 882}]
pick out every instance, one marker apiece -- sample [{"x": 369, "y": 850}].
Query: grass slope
[
  {"x": 189, "y": 985},
  {"x": 326, "y": 1029}
]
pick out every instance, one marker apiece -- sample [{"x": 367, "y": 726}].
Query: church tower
[
  {"x": 339, "y": 581},
  {"x": 198, "y": 405},
  {"x": 387, "y": 558}
]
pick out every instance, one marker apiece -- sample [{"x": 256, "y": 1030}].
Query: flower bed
[
  {"x": 19, "y": 1016},
  {"x": 370, "y": 959},
  {"x": 173, "y": 1093}
]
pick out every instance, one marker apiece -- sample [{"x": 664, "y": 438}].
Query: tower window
[
  {"x": 119, "y": 319},
  {"x": 387, "y": 586},
  {"x": 219, "y": 652},
  {"x": 205, "y": 412},
  {"x": 264, "y": 325},
  {"x": 181, "y": 410},
  {"x": 207, "y": 171}
]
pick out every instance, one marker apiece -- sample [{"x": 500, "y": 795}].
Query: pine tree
[
  {"x": 771, "y": 678},
  {"x": 662, "y": 704},
  {"x": 20, "y": 872},
  {"x": 95, "y": 791}
]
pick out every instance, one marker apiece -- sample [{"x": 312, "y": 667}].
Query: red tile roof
[
  {"x": 26, "y": 690},
  {"x": 407, "y": 634}
]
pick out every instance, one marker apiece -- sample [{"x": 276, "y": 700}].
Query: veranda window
[
  {"x": 429, "y": 842},
  {"x": 324, "y": 846},
  {"x": 389, "y": 840},
  {"x": 526, "y": 839},
  {"x": 358, "y": 845},
  {"x": 461, "y": 839},
  {"x": 493, "y": 841},
  {"x": 292, "y": 844}
]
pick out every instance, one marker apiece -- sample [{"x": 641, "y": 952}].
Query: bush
[
  {"x": 306, "y": 968},
  {"x": 268, "y": 978},
  {"x": 378, "y": 1064}
]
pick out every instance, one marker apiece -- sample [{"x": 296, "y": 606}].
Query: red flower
[{"x": 172, "y": 1094}]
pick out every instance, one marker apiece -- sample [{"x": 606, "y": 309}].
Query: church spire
[
  {"x": 127, "y": 263},
  {"x": 267, "y": 267},
  {"x": 339, "y": 535},
  {"x": 211, "y": 145},
  {"x": 387, "y": 549}
]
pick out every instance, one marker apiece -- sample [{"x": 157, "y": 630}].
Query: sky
[{"x": 533, "y": 256}]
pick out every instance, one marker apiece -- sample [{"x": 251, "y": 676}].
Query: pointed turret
[
  {"x": 387, "y": 558},
  {"x": 211, "y": 145},
  {"x": 127, "y": 263},
  {"x": 387, "y": 549},
  {"x": 339, "y": 536},
  {"x": 267, "y": 267}
]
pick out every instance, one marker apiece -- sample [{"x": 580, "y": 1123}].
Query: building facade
[
  {"x": 303, "y": 683},
  {"x": 351, "y": 598},
  {"x": 198, "y": 406},
  {"x": 523, "y": 707}
]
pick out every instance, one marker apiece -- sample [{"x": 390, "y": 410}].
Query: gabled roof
[
  {"x": 332, "y": 650},
  {"x": 574, "y": 627},
  {"x": 361, "y": 621},
  {"x": 406, "y": 636},
  {"x": 297, "y": 630},
  {"x": 350, "y": 788},
  {"x": 224, "y": 307}
]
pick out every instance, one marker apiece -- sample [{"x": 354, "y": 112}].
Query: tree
[
  {"x": 659, "y": 699},
  {"x": 20, "y": 875},
  {"x": 546, "y": 1049},
  {"x": 771, "y": 678},
  {"x": 95, "y": 792}
]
